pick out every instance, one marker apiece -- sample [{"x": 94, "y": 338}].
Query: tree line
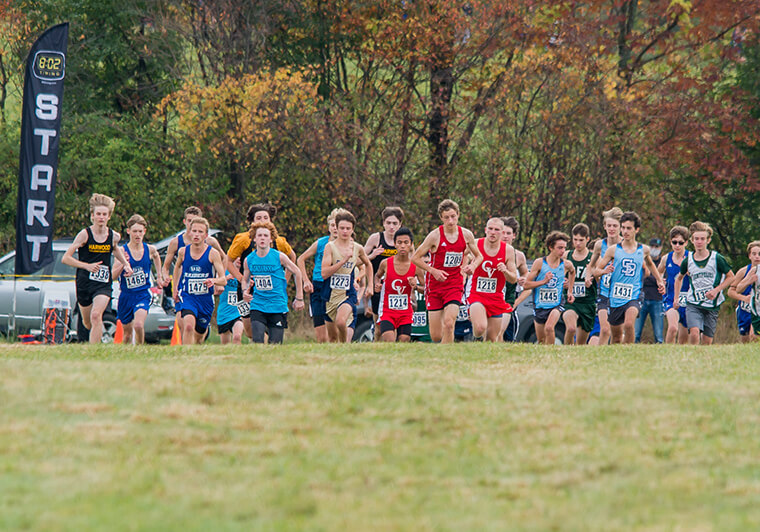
[{"x": 547, "y": 111}]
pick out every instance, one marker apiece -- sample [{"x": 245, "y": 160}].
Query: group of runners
[{"x": 595, "y": 290}]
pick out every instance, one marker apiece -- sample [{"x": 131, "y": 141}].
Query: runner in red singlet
[
  {"x": 485, "y": 289},
  {"x": 396, "y": 281},
  {"x": 444, "y": 282}
]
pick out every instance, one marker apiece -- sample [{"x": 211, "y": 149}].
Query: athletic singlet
[
  {"x": 194, "y": 273},
  {"x": 671, "y": 271},
  {"x": 581, "y": 292},
  {"x": 486, "y": 280},
  {"x": 627, "y": 277},
  {"x": 703, "y": 279},
  {"x": 181, "y": 241},
  {"x": 390, "y": 250},
  {"x": 746, "y": 307},
  {"x": 396, "y": 294},
  {"x": 339, "y": 287},
  {"x": 448, "y": 258},
  {"x": 510, "y": 289},
  {"x": 270, "y": 290},
  {"x": 550, "y": 294},
  {"x": 140, "y": 279},
  {"x": 316, "y": 275},
  {"x": 93, "y": 251},
  {"x": 604, "y": 280},
  {"x": 230, "y": 307}
]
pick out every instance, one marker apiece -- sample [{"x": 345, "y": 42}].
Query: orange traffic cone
[
  {"x": 118, "y": 336},
  {"x": 176, "y": 333}
]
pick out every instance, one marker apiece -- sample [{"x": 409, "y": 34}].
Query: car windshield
[{"x": 8, "y": 268}]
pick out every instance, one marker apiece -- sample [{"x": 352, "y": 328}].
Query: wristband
[{"x": 297, "y": 299}]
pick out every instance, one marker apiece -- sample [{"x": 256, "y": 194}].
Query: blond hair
[
  {"x": 614, "y": 213},
  {"x": 700, "y": 226},
  {"x": 200, "y": 220},
  {"x": 335, "y": 212},
  {"x": 101, "y": 200}
]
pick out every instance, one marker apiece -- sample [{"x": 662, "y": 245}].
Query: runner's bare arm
[
  {"x": 171, "y": 250},
  {"x": 372, "y": 247},
  {"x": 379, "y": 274},
  {"x": 605, "y": 264},
  {"x": 177, "y": 272},
  {"x": 530, "y": 281},
  {"x": 327, "y": 267},
  {"x": 595, "y": 254},
  {"x": 301, "y": 263},
  {"x": 68, "y": 257},
  {"x": 510, "y": 268},
  {"x": 221, "y": 276},
  {"x": 429, "y": 245},
  {"x": 156, "y": 258},
  {"x": 654, "y": 271},
  {"x": 712, "y": 294},
  {"x": 570, "y": 276},
  {"x": 742, "y": 284},
  {"x": 369, "y": 273},
  {"x": 290, "y": 266},
  {"x": 472, "y": 247},
  {"x": 118, "y": 253}
]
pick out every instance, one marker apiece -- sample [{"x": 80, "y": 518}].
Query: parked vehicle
[{"x": 58, "y": 280}]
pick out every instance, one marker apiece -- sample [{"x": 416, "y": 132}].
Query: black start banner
[{"x": 38, "y": 159}]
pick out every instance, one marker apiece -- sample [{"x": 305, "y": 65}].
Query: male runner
[
  {"x": 444, "y": 282},
  {"x": 624, "y": 262},
  {"x": 194, "y": 271},
  {"x": 134, "y": 294},
  {"x": 229, "y": 323},
  {"x": 95, "y": 243},
  {"x": 548, "y": 276},
  {"x": 269, "y": 302},
  {"x": 396, "y": 280},
  {"x": 651, "y": 304},
  {"x": 583, "y": 309},
  {"x": 485, "y": 289},
  {"x": 314, "y": 287},
  {"x": 670, "y": 267},
  {"x": 744, "y": 317},
  {"x": 611, "y": 220},
  {"x": 750, "y": 285},
  {"x": 341, "y": 258},
  {"x": 710, "y": 274},
  {"x": 511, "y": 226},
  {"x": 242, "y": 246},
  {"x": 379, "y": 247}
]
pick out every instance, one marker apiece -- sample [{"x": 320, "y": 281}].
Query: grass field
[{"x": 311, "y": 437}]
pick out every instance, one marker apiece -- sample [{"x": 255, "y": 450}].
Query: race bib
[
  {"x": 138, "y": 279},
  {"x": 262, "y": 283},
  {"x": 103, "y": 275},
  {"x": 197, "y": 287},
  {"x": 622, "y": 291},
  {"x": 419, "y": 319},
  {"x": 579, "y": 289},
  {"x": 606, "y": 278},
  {"x": 746, "y": 307},
  {"x": 701, "y": 294},
  {"x": 398, "y": 302},
  {"x": 548, "y": 296},
  {"x": 464, "y": 313},
  {"x": 232, "y": 299},
  {"x": 452, "y": 259},
  {"x": 243, "y": 308},
  {"x": 340, "y": 281},
  {"x": 486, "y": 285},
  {"x": 682, "y": 299}
]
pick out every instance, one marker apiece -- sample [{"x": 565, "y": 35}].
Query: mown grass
[{"x": 468, "y": 437}]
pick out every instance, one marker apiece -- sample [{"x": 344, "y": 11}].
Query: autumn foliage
[{"x": 548, "y": 111}]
